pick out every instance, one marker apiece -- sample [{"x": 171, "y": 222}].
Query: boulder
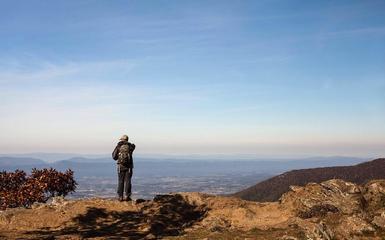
[{"x": 374, "y": 194}]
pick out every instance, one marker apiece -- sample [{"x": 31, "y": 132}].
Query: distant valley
[{"x": 97, "y": 176}]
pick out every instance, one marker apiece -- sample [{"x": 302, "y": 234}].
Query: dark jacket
[{"x": 115, "y": 153}]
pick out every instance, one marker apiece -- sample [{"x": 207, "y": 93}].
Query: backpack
[{"x": 124, "y": 154}]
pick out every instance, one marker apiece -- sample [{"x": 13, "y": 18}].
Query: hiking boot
[{"x": 127, "y": 199}]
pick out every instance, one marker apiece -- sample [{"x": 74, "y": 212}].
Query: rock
[
  {"x": 341, "y": 186},
  {"x": 318, "y": 211},
  {"x": 379, "y": 221},
  {"x": 330, "y": 196},
  {"x": 317, "y": 231},
  {"x": 374, "y": 194},
  {"x": 150, "y": 236},
  {"x": 354, "y": 225},
  {"x": 288, "y": 238},
  {"x": 216, "y": 228},
  {"x": 219, "y": 225},
  {"x": 59, "y": 200},
  {"x": 324, "y": 232},
  {"x": 140, "y": 200},
  {"x": 295, "y": 188},
  {"x": 6, "y": 217},
  {"x": 37, "y": 205}
]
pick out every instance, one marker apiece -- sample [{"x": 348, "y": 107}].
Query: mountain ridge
[
  {"x": 20, "y": 161},
  {"x": 272, "y": 188}
]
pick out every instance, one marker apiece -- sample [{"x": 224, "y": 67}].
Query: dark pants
[{"x": 124, "y": 181}]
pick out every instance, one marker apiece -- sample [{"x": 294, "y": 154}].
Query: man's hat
[{"x": 124, "y": 138}]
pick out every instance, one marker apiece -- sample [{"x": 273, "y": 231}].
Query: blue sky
[{"x": 268, "y": 78}]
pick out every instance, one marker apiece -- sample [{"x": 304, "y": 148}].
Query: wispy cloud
[
  {"x": 63, "y": 86},
  {"x": 367, "y": 31},
  {"x": 43, "y": 71}
]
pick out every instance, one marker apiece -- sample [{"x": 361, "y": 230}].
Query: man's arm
[
  {"x": 115, "y": 152},
  {"x": 133, "y": 147}
]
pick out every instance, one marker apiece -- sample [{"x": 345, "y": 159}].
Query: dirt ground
[
  {"x": 177, "y": 216},
  {"x": 334, "y": 209}
]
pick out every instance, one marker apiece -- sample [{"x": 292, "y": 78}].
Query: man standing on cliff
[{"x": 123, "y": 155}]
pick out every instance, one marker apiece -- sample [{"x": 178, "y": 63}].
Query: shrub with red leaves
[{"x": 19, "y": 190}]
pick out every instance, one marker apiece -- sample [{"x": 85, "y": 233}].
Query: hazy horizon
[
  {"x": 278, "y": 78},
  {"x": 53, "y": 157}
]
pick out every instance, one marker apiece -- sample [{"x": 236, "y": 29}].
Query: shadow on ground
[{"x": 166, "y": 215}]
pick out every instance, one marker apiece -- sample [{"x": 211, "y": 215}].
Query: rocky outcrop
[
  {"x": 315, "y": 200},
  {"x": 334, "y": 209}
]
